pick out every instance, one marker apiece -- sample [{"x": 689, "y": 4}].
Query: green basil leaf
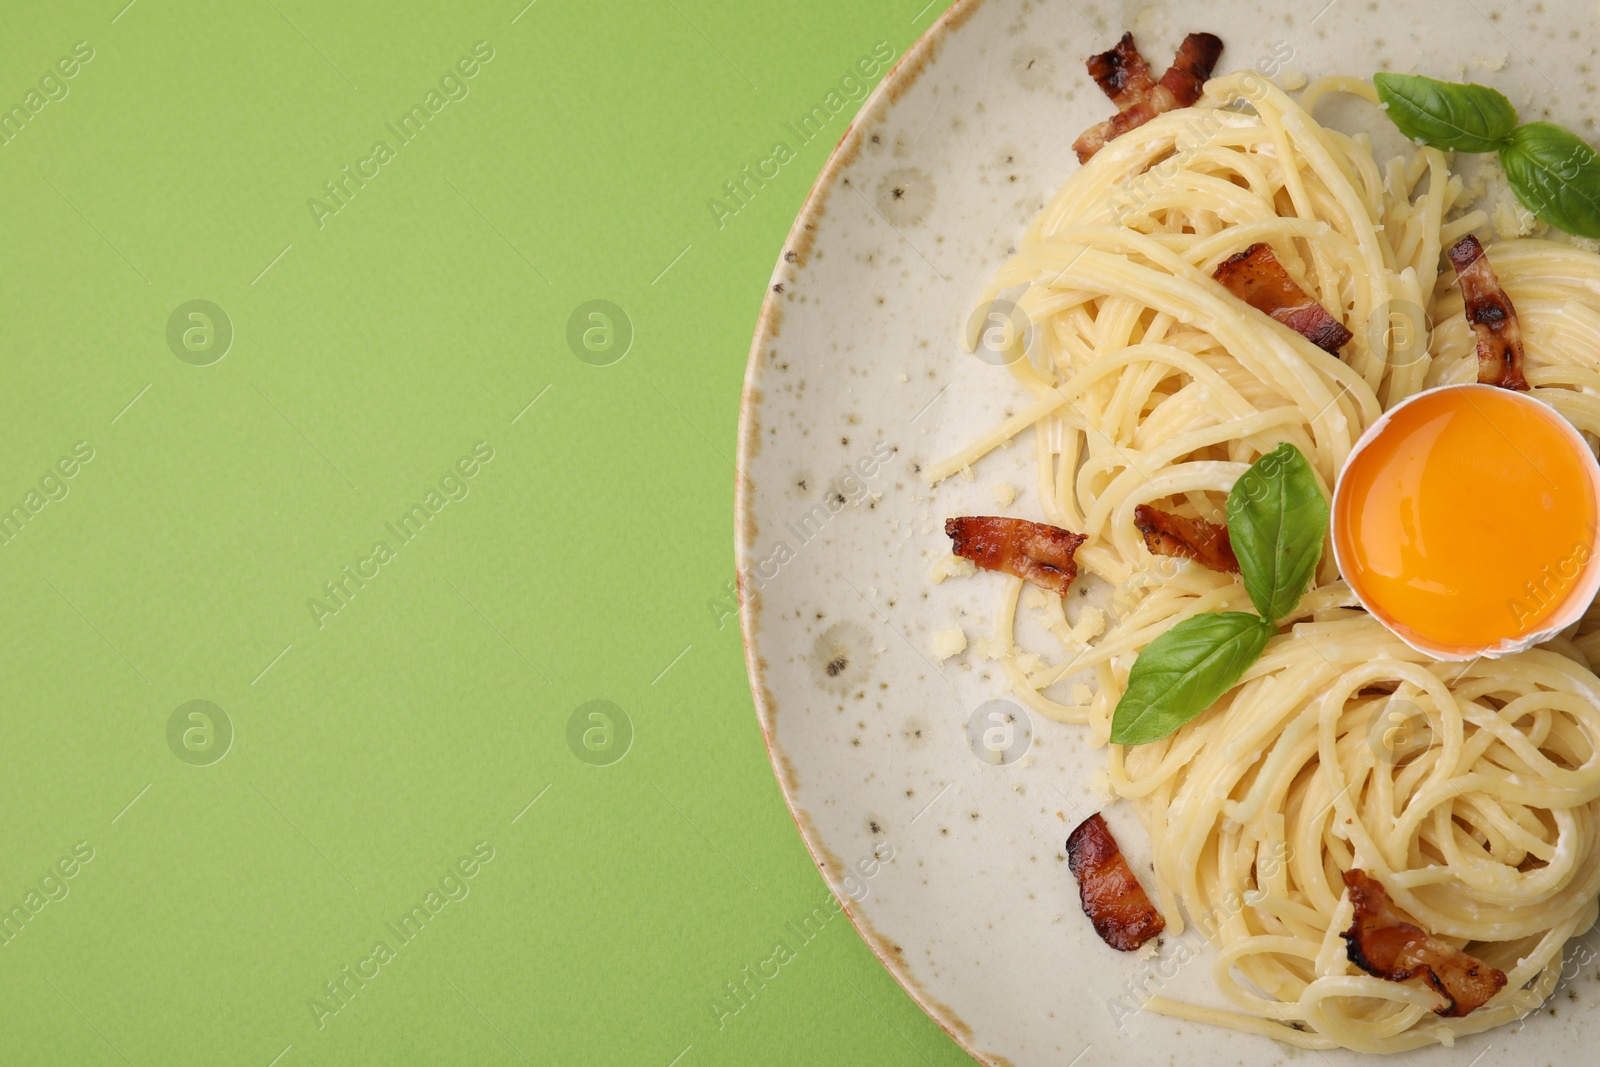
[
  {"x": 1465, "y": 118},
  {"x": 1184, "y": 671},
  {"x": 1555, "y": 175},
  {"x": 1277, "y": 519}
]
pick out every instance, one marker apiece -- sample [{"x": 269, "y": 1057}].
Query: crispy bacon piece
[
  {"x": 1124, "y": 76},
  {"x": 1383, "y": 944},
  {"x": 1122, "y": 73},
  {"x": 1196, "y": 58},
  {"x": 1031, "y": 551},
  {"x": 1256, "y": 277},
  {"x": 1166, "y": 534},
  {"x": 1112, "y": 897},
  {"x": 1493, "y": 318}
]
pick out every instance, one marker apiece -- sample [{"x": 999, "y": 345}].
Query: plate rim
[{"x": 905, "y": 72}]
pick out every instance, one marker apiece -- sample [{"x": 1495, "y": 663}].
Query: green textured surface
[{"x": 374, "y": 751}]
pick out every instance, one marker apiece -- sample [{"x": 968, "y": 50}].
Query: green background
[{"x": 589, "y": 559}]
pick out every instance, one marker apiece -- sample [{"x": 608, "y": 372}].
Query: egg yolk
[{"x": 1468, "y": 519}]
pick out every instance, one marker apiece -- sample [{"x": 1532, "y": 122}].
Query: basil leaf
[
  {"x": 1184, "y": 671},
  {"x": 1555, "y": 175},
  {"x": 1466, "y": 118},
  {"x": 1277, "y": 519}
]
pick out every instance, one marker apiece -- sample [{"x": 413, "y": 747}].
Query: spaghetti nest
[{"x": 1470, "y": 791}]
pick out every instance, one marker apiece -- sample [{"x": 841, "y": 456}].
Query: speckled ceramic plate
[{"x": 951, "y": 867}]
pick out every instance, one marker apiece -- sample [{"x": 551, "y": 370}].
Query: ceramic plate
[{"x": 953, "y": 867}]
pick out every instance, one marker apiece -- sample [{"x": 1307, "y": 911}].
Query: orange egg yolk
[{"x": 1468, "y": 519}]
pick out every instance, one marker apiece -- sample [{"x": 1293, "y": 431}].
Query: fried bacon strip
[
  {"x": 1112, "y": 897},
  {"x": 1256, "y": 277},
  {"x": 1125, "y": 77},
  {"x": 1493, "y": 318},
  {"x": 1122, "y": 73},
  {"x": 1383, "y": 944},
  {"x": 1196, "y": 58},
  {"x": 1166, "y": 534},
  {"x": 1031, "y": 551}
]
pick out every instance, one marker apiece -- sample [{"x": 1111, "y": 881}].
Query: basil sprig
[
  {"x": 1277, "y": 519},
  {"x": 1184, "y": 671},
  {"x": 1461, "y": 118},
  {"x": 1554, "y": 173}
]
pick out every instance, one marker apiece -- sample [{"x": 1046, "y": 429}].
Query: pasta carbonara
[{"x": 1472, "y": 790}]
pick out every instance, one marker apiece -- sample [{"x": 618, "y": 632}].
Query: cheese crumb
[
  {"x": 1511, "y": 219},
  {"x": 1492, "y": 194},
  {"x": 1470, "y": 193},
  {"x": 947, "y": 643},
  {"x": 1292, "y": 81},
  {"x": 1090, "y": 625},
  {"x": 1100, "y": 785},
  {"x": 1081, "y": 694},
  {"x": 1004, "y": 494},
  {"x": 1494, "y": 62},
  {"x": 951, "y": 565}
]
